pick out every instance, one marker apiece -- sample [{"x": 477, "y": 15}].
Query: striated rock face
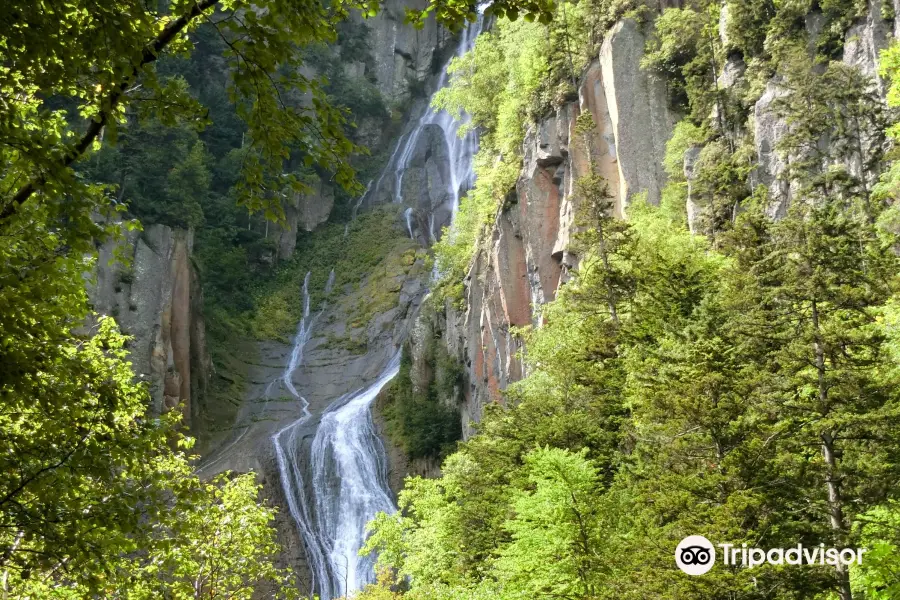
[
  {"x": 402, "y": 63},
  {"x": 530, "y": 248},
  {"x": 425, "y": 183},
  {"x": 306, "y": 212},
  {"x": 157, "y": 301},
  {"x": 863, "y": 44},
  {"x": 402, "y": 53},
  {"x": 769, "y": 129},
  {"x": 866, "y": 39},
  {"x": 639, "y": 112}
]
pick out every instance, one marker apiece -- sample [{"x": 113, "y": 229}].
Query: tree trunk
[{"x": 832, "y": 477}]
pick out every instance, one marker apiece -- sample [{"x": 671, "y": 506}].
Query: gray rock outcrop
[
  {"x": 866, "y": 39},
  {"x": 426, "y": 182},
  {"x": 404, "y": 55},
  {"x": 638, "y": 108},
  {"x": 769, "y": 129},
  {"x": 530, "y": 248},
  {"x": 156, "y": 300}
]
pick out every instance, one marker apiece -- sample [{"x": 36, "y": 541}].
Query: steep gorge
[
  {"x": 524, "y": 259},
  {"x": 327, "y": 467}
]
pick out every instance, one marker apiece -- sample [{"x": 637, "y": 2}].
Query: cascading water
[
  {"x": 409, "y": 229},
  {"x": 349, "y": 485},
  {"x": 337, "y": 483},
  {"x": 285, "y": 381},
  {"x": 461, "y": 149},
  {"x": 287, "y": 444},
  {"x": 359, "y": 201}
]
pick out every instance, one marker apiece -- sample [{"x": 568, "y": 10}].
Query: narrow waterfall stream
[
  {"x": 462, "y": 149},
  {"x": 337, "y": 481}
]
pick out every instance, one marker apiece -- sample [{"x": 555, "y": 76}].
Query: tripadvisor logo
[{"x": 695, "y": 555}]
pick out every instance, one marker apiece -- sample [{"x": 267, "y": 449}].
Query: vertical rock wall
[
  {"x": 529, "y": 251},
  {"x": 403, "y": 55},
  {"x": 403, "y": 60},
  {"x": 156, "y": 299},
  {"x": 863, "y": 43},
  {"x": 638, "y": 109}
]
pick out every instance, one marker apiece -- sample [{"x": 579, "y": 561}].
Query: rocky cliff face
[
  {"x": 402, "y": 63},
  {"x": 404, "y": 56},
  {"x": 351, "y": 339},
  {"x": 528, "y": 252},
  {"x": 862, "y": 45},
  {"x": 155, "y": 296}
]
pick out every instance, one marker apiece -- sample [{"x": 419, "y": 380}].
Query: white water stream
[
  {"x": 461, "y": 149},
  {"x": 337, "y": 482}
]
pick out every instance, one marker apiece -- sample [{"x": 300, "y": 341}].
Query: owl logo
[{"x": 695, "y": 555}]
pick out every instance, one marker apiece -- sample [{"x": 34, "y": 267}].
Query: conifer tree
[{"x": 833, "y": 396}]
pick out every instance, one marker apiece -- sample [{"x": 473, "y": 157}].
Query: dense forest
[
  {"x": 724, "y": 362},
  {"x": 738, "y": 382}
]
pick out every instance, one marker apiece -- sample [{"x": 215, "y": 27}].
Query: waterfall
[
  {"x": 409, "y": 229},
  {"x": 350, "y": 484},
  {"x": 359, "y": 201},
  {"x": 461, "y": 149},
  {"x": 348, "y": 488},
  {"x": 287, "y": 443},
  {"x": 304, "y": 330},
  {"x": 337, "y": 482}
]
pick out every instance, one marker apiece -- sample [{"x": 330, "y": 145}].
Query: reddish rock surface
[{"x": 530, "y": 248}]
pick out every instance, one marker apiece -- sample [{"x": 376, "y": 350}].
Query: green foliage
[
  {"x": 512, "y": 77},
  {"x": 458, "y": 244},
  {"x": 684, "y": 136},
  {"x": 557, "y": 533},
  {"x": 720, "y": 185},
  {"x": 82, "y": 456},
  {"x": 839, "y": 16},
  {"x": 426, "y": 423},
  {"x": 370, "y": 253},
  {"x": 686, "y": 49},
  {"x": 889, "y": 68},
  {"x": 741, "y": 384},
  {"x": 162, "y": 173},
  {"x": 455, "y": 13},
  {"x": 839, "y": 104},
  {"x": 214, "y": 541},
  {"x": 686, "y": 389},
  {"x": 747, "y": 23},
  {"x": 888, "y": 187},
  {"x": 100, "y": 64},
  {"x": 97, "y": 498},
  {"x": 877, "y": 578}
]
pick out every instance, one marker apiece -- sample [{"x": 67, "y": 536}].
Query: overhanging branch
[{"x": 149, "y": 55}]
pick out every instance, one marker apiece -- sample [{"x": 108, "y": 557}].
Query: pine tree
[{"x": 833, "y": 396}]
